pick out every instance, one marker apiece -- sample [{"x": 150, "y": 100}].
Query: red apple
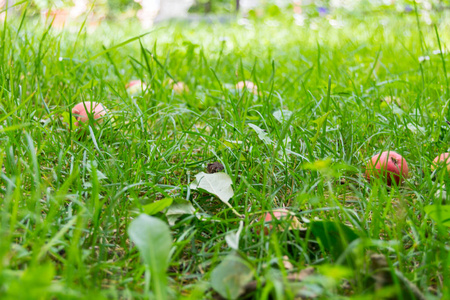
[
  {"x": 268, "y": 219},
  {"x": 59, "y": 17},
  {"x": 178, "y": 87},
  {"x": 276, "y": 216},
  {"x": 388, "y": 165},
  {"x": 135, "y": 86},
  {"x": 248, "y": 85},
  {"x": 440, "y": 161},
  {"x": 83, "y": 110}
]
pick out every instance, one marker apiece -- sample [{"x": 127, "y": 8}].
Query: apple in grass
[
  {"x": 178, "y": 87},
  {"x": 135, "y": 87},
  {"x": 388, "y": 165},
  {"x": 440, "y": 161},
  {"x": 248, "y": 85},
  {"x": 85, "y": 110},
  {"x": 278, "y": 216}
]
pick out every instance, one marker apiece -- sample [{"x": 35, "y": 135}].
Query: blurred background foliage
[
  {"x": 122, "y": 5},
  {"x": 310, "y": 7}
]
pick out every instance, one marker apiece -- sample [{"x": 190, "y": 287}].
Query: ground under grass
[{"x": 328, "y": 98}]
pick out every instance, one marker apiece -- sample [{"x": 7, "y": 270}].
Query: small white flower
[
  {"x": 272, "y": 23},
  {"x": 313, "y": 26},
  {"x": 299, "y": 19},
  {"x": 243, "y": 22},
  {"x": 336, "y": 23},
  {"x": 437, "y": 52},
  {"x": 423, "y": 58}
]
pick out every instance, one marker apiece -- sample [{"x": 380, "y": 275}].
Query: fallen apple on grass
[
  {"x": 178, "y": 87},
  {"x": 135, "y": 87},
  {"x": 85, "y": 110},
  {"x": 440, "y": 161},
  {"x": 389, "y": 166},
  {"x": 277, "y": 216},
  {"x": 248, "y": 85}
]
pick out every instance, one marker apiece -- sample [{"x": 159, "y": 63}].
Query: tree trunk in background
[
  {"x": 3, "y": 5},
  {"x": 208, "y": 6},
  {"x": 237, "y": 5},
  {"x": 246, "y": 5},
  {"x": 174, "y": 9}
]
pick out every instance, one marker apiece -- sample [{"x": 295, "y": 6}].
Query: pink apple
[
  {"x": 278, "y": 214},
  {"x": 82, "y": 111},
  {"x": 178, "y": 87},
  {"x": 269, "y": 218},
  {"x": 388, "y": 165},
  {"x": 440, "y": 161},
  {"x": 135, "y": 86},
  {"x": 248, "y": 85}
]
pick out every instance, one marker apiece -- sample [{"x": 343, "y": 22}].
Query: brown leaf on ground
[
  {"x": 383, "y": 278},
  {"x": 252, "y": 286},
  {"x": 300, "y": 276},
  {"x": 382, "y": 274},
  {"x": 214, "y": 167}
]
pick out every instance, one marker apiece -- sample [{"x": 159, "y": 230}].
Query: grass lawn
[{"x": 125, "y": 208}]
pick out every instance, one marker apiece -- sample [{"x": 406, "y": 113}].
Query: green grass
[{"x": 68, "y": 196}]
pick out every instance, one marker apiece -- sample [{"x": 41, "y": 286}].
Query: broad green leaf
[
  {"x": 178, "y": 208},
  {"x": 230, "y": 144},
  {"x": 328, "y": 168},
  {"x": 218, "y": 184},
  {"x": 397, "y": 110},
  {"x": 320, "y": 121},
  {"x": 282, "y": 115},
  {"x": 232, "y": 238},
  {"x": 318, "y": 165},
  {"x": 252, "y": 118},
  {"x": 153, "y": 239},
  {"x": 337, "y": 272},
  {"x": 67, "y": 119},
  {"x": 263, "y": 136},
  {"x": 414, "y": 128},
  {"x": 231, "y": 276},
  {"x": 439, "y": 213},
  {"x": 322, "y": 166},
  {"x": 157, "y": 206},
  {"x": 333, "y": 236},
  {"x": 93, "y": 164}
]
